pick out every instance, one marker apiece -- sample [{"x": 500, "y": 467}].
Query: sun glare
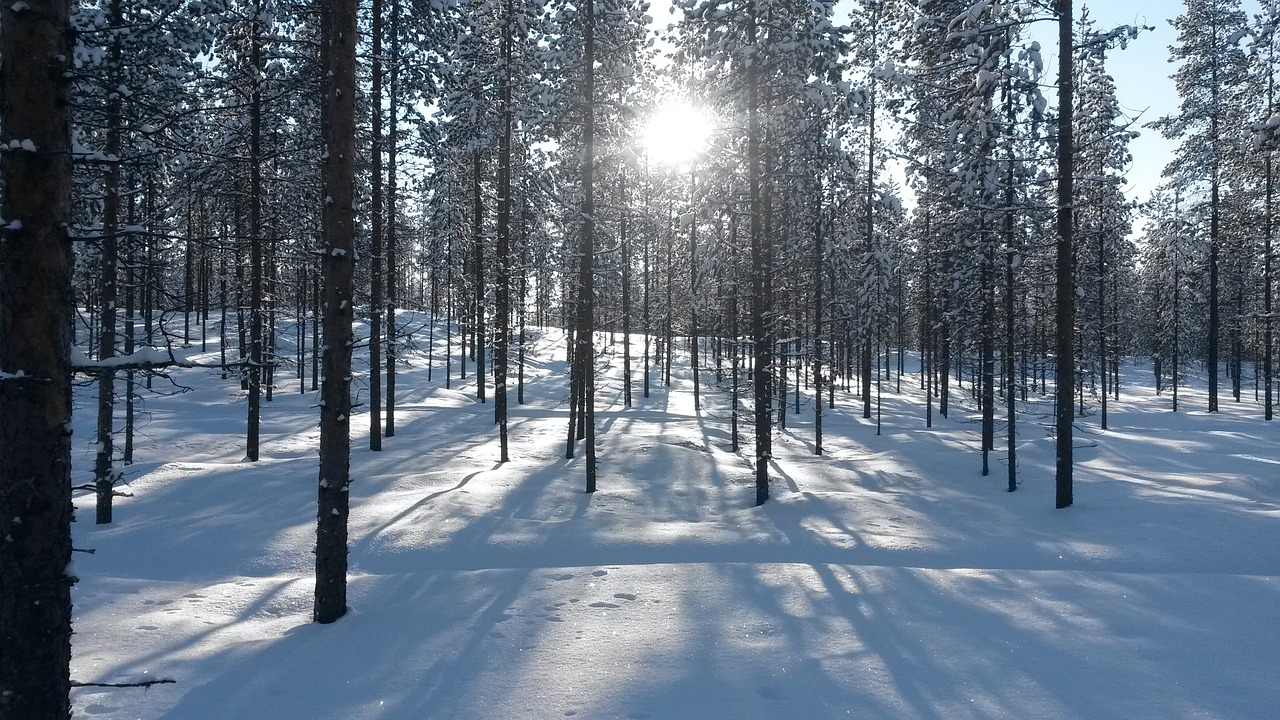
[{"x": 676, "y": 133}]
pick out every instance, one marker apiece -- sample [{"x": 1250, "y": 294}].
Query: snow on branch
[{"x": 147, "y": 358}]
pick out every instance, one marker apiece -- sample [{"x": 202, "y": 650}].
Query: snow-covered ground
[{"x": 885, "y": 579}]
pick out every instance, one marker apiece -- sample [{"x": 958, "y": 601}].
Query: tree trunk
[
  {"x": 818, "y": 241},
  {"x": 376, "y": 229},
  {"x": 392, "y": 250},
  {"x": 502, "y": 331},
  {"x": 35, "y": 375},
  {"x": 759, "y": 277},
  {"x": 339, "y": 37},
  {"x": 1266, "y": 295},
  {"x": 1065, "y": 271},
  {"x": 584, "y": 351},
  {"x": 477, "y": 219},
  {"x": 626, "y": 289},
  {"x": 254, "y": 366},
  {"x": 693, "y": 291}
]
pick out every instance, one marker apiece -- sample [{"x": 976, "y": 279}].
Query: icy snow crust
[{"x": 886, "y": 579}]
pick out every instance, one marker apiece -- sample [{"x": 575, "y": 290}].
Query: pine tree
[
  {"x": 35, "y": 366},
  {"x": 1064, "y": 275},
  {"x": 1209, "y": 32},
  {"x": 339, "y": 46},
  {"x": 1102, "y": 156},
  {"x": 1266, "y": 140}
]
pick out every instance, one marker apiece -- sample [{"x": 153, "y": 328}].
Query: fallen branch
[{"x": 143, "y": 684}]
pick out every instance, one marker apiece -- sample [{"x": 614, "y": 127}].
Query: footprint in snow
[
  {"x": 562, "y": 576},
  {"x": 600, "y": 573},
  {"x": 604, "y": 605},
  {"x": 624, "y": 596}
]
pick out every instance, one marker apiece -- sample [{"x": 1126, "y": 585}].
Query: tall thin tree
[
  {"x": 1064, "y": 267},
  {"x": 339, "y": 47},
  {"x": 35, "y": 374}
]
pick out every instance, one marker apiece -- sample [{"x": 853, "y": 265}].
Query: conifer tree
[
  {"x": 35, "y": 362},
  {"x": 1212, "y": 65}
]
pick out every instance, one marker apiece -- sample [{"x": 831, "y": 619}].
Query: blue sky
[{"x": 1142, "y": 79}]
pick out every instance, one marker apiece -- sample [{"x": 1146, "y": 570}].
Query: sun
[{"x": 676, "y": 133}]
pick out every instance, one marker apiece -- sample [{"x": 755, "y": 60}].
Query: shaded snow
[{"x": 886, "y": 579}]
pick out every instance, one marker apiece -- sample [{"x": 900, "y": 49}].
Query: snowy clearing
[{"x": 886, "y": 579}]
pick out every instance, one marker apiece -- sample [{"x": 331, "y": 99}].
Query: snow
[
  {"x": 140, "y": 357},
  {"x": 886, "y": 579}
]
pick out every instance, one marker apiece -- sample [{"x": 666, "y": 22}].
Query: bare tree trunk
[
  {"x": 818, "y": 249},
  {"x": 1010, "y": 320},
  {"x": 130, "y": 310},
  {"x": 254, "y": 365},
  {"x": 104, "y": 473},
  {"x": 376, "y": 230},
  {"x": 988, "y": 395},
  {"x": 693, "y": 292},
  {"x": 339, "y": 43},
  {"x": 584, "y": 351},
  {"x": 502, "y": 331},
  {"x": 759, "y": 277},
  {"x": 1266, "y": 295},
  {"x": 1065, "y": 271},
  {"x": 392, "y": 249},
  {"x": 35, "y": 374},
  {"x": 870, "y": 222},
  {"x": 477, "y": 219},
  {"x": 626, "y": 289}
]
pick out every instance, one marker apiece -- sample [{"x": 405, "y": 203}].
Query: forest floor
[{"x": 885, "y": 579}]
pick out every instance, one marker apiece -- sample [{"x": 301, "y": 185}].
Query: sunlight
[{"x": 676, "y": 133}]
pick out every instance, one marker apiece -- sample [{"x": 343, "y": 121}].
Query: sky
[
  {"x": 1142, "y": 73},
  {"x": 1143, "y": 85}
]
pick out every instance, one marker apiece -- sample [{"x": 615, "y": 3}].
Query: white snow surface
[{"x": 885, "y": 579}]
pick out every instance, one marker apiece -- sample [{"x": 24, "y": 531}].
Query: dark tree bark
[
  {"x": 477, "y": 247},
  {"x": 988, "y": 395},
  {"x": 1266, "y": 292},
  {"x": 254, "y": 366},
  {"x": 339, "y": 35},
  {"x": 870, "y": 221},
  {"x": 625, "y": 248},
  {"x": 1102, "y": 327},
  {"x": 35, "y": 368},
  {"x": 1065, "y": 271},
  {"x": 502, "y": 331},
  {"x": 693, "y": 293},
  {"x": 1010, "y": 320},
  {"x": 376, "y": 229},
  {"x": 584, "y": 351},
  {"x": 104, "y": 474},
  {"x": 761, "y": 373},
  {"x": 818, "y": 248},
  {"x": 392, "y": 250}
]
